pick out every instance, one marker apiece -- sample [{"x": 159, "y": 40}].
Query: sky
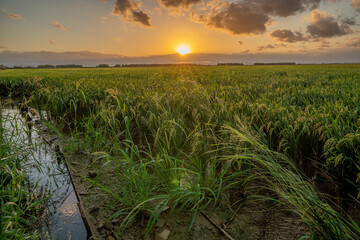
[{"x": 140, "y": 29}]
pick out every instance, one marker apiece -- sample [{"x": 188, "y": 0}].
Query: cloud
[
  {"x": 103, "y": 19},
  {"x": 285, "y": 8},
  {"x": 178, "y": 3},
  {"x": 52, "y": 42},
  {"x": 322, "y": 25},
  {"x": 356, "y": 4},
  {"x": 2, "y": 47},
  {"x": 14, "y": 16},
  {"x": 117, "y": 39},
  {"x": 237, "y": 18},
  {"x": 240, "y": 42},
  {"x": 60, "y": 26},
  {"x": 349, "y": 21},
  {"x": 270, "y": 46},
  {"x": 140, "y": 16},
  {"x": 354, "y": 43},
  {"x": 250, "y": 17},
  {"x": 129, "y": 10},
  {"x": 282, "y": 8},
  {"x": 285, "y": 35},
  {"x": 325, "y": 25}
]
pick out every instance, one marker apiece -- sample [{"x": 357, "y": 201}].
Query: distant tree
[
  {"x": 2, "y": 67},
  {"x": 69, "y": 66},
  {"x": 17, "y": 67},
  {"x": 103, "y": 66},
  {"x": 276, "y": 63},
  {"x": 45, "y": 66},
  {"x": 117, "y": 65},
  {"x": 230, "y": 64}
]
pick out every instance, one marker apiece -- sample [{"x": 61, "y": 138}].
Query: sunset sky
[{"x": 157, "y": 27}]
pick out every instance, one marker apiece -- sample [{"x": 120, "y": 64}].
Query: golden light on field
[{"x": 183, "y": 49}]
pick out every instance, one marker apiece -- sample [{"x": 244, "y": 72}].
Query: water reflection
[{"x": 62, "y": 219}]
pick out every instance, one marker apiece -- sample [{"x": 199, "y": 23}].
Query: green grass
[
  {"x": 18, "y": 203},
  {"x": 164, "y": 130}
]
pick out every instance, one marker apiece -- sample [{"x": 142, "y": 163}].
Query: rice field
[{"x": 201, "y": 139}]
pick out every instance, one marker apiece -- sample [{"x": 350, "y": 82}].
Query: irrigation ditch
[{"x": 62, "y": 216}]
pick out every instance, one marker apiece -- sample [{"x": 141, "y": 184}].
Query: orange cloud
[
  {"x": 117, "y": 39},
  {"x": 103, "y": 19},
  {"x": 356, "y": 4},
  {"x": 60, "y": 26},
  {"x": 15, "y": 16}
]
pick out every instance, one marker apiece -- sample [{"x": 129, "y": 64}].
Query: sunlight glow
[{"x": 183, "y": 49}]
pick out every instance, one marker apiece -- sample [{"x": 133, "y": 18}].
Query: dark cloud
[
  {"x": 141, "y": 17},
  {"x": 2, "y": 47},
  {"x": 14, "y": 16},
  {"x": 251, "y": 16},
  {"x": 325, "y": 25},
  {"x": 237, "y": 18},
  {"x": 178, "y": 3},
  {"x": 129, "y": 10},
  {"x": 349, "y": 21},
  {"x": 285, "y": 8},
  {"x": 285, "y": 35},
  {"x": 240, "y": 42},
  {"x": 270, "y": 46},
  {"x": 282, "y": 8},
  {"x": 356, "y": 4}
]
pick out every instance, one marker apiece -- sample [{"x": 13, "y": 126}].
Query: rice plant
[{"x": 163, "y": 128}]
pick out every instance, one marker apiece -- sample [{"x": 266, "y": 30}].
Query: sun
[{"x": 183, "y": 49}]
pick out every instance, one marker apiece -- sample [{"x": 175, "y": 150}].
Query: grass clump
[
  {"x": 278, "y": 174},
  {"x": 18, "y": 206}
]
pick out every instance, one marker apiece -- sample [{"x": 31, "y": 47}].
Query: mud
[{"x": 253, "y": 221}]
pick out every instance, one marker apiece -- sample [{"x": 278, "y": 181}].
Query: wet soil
[{"x": 252, "y": 221}]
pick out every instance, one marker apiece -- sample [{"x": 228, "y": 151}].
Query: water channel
[{"x": 62, "y": 218}]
